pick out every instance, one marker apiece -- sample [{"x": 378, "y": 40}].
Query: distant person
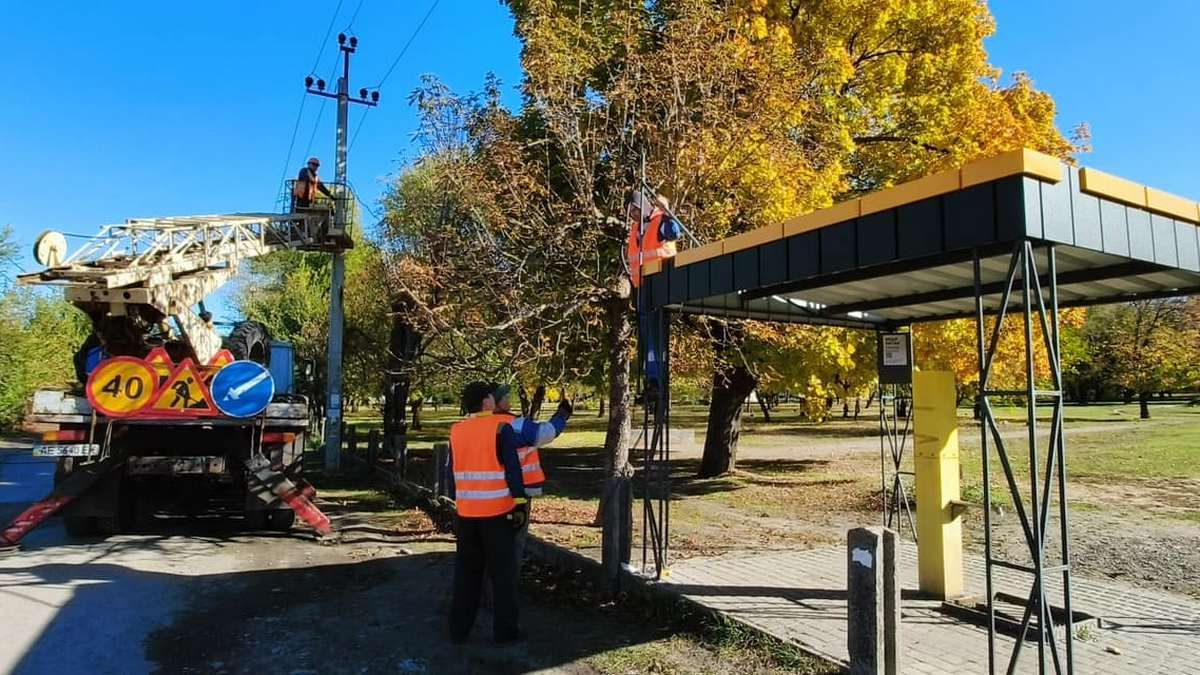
[
  {"x": 304, "y": 191},
  {"x": 492, "y": 507}
]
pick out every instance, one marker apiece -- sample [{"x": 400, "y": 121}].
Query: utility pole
[{"x": 341, "y": 241}]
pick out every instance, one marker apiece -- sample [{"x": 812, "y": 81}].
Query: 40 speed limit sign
[{"x": 121, "y": 386}]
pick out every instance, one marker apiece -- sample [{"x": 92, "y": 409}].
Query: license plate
[{"x": 68, "y": 450}]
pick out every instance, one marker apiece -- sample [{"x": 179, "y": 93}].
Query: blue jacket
[{"x": 524, "y": 433}]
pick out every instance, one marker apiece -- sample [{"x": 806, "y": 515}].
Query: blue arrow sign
[{"x": 242, "y": 389}]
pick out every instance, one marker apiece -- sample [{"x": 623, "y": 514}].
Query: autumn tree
[
  {"x": 906, "y": 90},
  {"x": 1147, "y": 346},
  {"x": 288, "y": 291}
]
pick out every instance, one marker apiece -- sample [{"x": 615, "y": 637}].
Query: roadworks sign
[
  {"x": 222, "y": 358},
  {"x": 161, "y": 362},
  {"x": 184, "y": 394},
  {"x": 121, "y": 386}
]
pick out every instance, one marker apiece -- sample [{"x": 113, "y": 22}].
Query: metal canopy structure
[
  {"x": 1018, "y": 237},
  {"x": 906, "y": 254}
]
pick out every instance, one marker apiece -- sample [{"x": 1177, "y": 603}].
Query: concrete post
[
  {"x": 372, "y": 448},
  {"x": 616, "y": 534},
  {"x": 939, "y": 530},
  {"x": 438, "y": 459},
  {"x": 873, "y": 602}
]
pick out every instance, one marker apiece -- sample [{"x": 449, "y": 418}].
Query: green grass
[{"x": 1165, "y": 446}]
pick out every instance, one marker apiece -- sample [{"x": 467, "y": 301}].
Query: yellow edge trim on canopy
[
  {"x": 1018, "y": 162},
  {"x": 837, "y": 213},
  {"x": 1118, "y": 189},
  {"x": 1024, "y": 162},
  {"x": 745, "y": 240},
  {"x": 709, "y": 250},
  {"x": 1101, "y": 184},
  {"x": 652, "y": 267},
  {"x": 1168, "y": 204},
  {"x": 912, "y": 191}
]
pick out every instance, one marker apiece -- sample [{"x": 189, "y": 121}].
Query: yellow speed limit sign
[{"x": 121, "y": 386}]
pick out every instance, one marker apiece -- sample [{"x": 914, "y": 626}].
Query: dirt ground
[{"x": 800, "y": 485}]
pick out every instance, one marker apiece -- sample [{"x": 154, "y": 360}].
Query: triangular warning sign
[
  {"x": 161, "y": 362},
  {"x": 184, "y": 394},
  {"x": 222, "y": 358}
]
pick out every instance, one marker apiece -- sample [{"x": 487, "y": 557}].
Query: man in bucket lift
[
  {"x": 304, "y": 190},
  {"x": 652, "y": 232}
]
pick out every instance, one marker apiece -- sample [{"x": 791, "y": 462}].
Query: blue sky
[{"x": 110, "y": 111}]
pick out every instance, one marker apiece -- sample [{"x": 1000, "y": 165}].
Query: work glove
[
  {"x": 565, "y": 409},
  {"x": 519, "y": 516}
]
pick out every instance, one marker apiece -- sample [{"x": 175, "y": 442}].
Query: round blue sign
[{"x": 242, "y": 389}]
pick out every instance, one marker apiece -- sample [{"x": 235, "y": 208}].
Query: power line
[
  {"x": 363, "y": 204},
  {"x": 325, "y": 40},
  {"x": 353, "y": 16},
  {"x": 361, "y": 121},
  {"x": 407, "y": 44},
  {"x": 403, "y": 51},
  {"x": 300, "y": 114},
  {"x": 292, "y": 144},
  {"x": 320, "y": 113}
]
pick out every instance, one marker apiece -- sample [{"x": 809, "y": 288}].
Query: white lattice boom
[{"x": 171, "y": 264}]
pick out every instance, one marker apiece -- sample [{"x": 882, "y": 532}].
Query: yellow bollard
[{"x": 939, "y": 530}]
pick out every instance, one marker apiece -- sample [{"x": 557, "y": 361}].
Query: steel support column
[
  {"x": 1046, "y": 470},
  {"x": 895, "y": 420},
  {"x": 655, "y": 440}
]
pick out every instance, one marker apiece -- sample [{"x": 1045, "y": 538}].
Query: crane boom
[{"x": 131, "y": 277}]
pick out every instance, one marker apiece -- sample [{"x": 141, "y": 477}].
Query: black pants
[{"x": 484, "y": 544}]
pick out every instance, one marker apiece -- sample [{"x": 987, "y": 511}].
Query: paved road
[{"x": 99, "y": 598}]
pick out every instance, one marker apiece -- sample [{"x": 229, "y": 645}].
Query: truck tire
[
  {"x": 282, "y": 521},
  {"x": 250, "y": 341},
  {"x": 80, "y": 526},
  {"x": 126, "y": 516},
  {"x": 255, "y": 519},
  {"x": 76, "y": 526}
]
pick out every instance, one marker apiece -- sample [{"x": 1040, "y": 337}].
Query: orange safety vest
[
  {"x": 479, "y": 485},
  {"x": 531, "y": 464},
  {"x": 652, "y": 248},
  {"x": 306, "y": 189}
]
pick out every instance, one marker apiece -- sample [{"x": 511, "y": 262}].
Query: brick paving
[{"x": 800, "y": 596}]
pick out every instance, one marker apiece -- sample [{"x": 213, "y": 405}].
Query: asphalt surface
[{"x": 73, "y": 606}]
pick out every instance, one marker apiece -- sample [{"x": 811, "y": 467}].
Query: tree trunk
[
  {"x": 535, "y": 405},
  {"x": 403, "y": 343},
  {"x": 615, "y": 512},
  {"x": 600, "y": 400},
  {"x": 766, "y": 410},
  {"x": 1144, "y": 405},
  {"x": 524, "y": 398},
  {"x": 416, "y": 404},
  {"x": 732, "y": 384}
]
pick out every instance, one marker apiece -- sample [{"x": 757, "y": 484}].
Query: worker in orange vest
[
  {"x": 652, "y": 233},
  {"x": 490, "y": 497},
  {"x": 532, "y": 435},
  {"x": 304, "y": 190}
]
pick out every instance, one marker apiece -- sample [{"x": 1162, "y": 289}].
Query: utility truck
[{"x": 169, "y": 418}]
